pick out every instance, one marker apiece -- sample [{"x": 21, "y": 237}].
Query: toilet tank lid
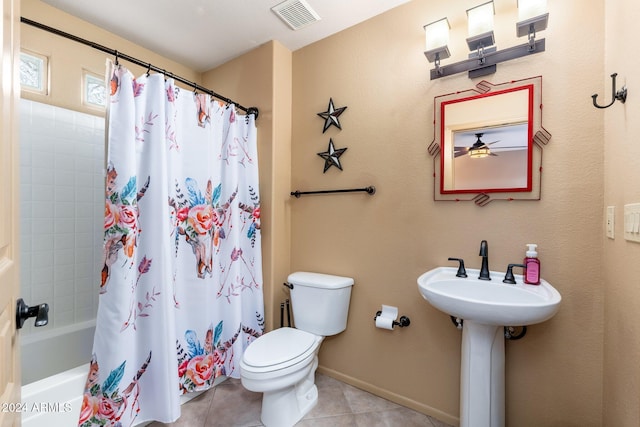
[{"x": 319, "y": 280}]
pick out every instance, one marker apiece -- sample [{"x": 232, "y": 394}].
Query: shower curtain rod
[{"x": 120, "y": 55}]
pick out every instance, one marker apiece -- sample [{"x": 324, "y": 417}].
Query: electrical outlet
[
  {"x": 610, "y": 225},
  {"x": 632, "y": 222}
]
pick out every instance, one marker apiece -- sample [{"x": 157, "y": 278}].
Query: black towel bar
[{"x": 371, "y": 190}]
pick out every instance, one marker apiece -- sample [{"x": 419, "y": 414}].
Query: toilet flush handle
[{"x": 288, "y": 285}]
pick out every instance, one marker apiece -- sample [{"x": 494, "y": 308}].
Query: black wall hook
[{"x": 620, "y": 95}]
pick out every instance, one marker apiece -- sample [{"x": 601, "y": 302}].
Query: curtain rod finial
[{"x": 254, "y": 111}]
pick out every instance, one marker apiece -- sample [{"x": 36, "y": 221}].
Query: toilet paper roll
[
  {"x": 384, "y": 323},
  {"x": 390, "y": 312},
  {"x": 387, "y": 316}
]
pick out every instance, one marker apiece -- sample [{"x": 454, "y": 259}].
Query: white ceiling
[{"x": 203, "y": 34}]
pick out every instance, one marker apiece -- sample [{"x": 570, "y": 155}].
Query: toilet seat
[{"x": 279, "y": 349}]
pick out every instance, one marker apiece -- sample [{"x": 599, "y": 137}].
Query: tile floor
[{"x": 339, "y": 404}]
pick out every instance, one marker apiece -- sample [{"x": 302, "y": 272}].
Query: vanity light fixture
[
  {"x": 531, "y": 9},
  {"x": 481, "y": 39},
  {"x": 480, "y": 25},
  {"x": 437, "y": 40},
  {"x": 484, "y": 55}
]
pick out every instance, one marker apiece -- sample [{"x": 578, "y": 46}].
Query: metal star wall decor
[
  {"x": 331, "y": 116},
  {"x": 332, "y": 156}
]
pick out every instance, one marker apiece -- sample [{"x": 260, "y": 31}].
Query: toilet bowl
[{"x": 281, "y": 364}]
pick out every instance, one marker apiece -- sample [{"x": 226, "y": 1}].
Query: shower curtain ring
[
  {"x": 117, "y": 63},
  {"x": 148, "y": 69}
]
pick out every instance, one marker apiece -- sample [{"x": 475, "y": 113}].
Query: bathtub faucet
[{"x": 23, "y": 312}]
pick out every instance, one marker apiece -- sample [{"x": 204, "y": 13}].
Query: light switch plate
[
  {"x": 632, "y": 222},
  {"x": 610, "y": 225}
]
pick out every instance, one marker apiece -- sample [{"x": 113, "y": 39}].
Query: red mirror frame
[{"x": 537, "y": 137}]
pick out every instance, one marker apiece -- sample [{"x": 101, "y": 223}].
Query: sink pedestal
[{"x": 482, "y": 375}]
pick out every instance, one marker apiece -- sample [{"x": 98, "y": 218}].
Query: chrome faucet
[{"x": 484, "y": 253}]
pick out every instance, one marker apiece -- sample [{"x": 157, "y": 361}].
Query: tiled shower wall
[{"x": 62, "y": 211}]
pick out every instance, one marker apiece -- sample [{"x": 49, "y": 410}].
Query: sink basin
[{"x": 489, "y": 302}]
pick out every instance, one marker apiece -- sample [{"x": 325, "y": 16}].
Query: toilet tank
[{"x": 320, "y": 302}]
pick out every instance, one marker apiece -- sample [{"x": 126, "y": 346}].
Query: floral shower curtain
[{"x": 181, "y": 289}]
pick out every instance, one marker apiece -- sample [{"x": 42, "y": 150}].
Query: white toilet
[{"x": 282, "y": 363}]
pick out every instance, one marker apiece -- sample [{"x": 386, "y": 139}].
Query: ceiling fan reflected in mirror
[
  {"x": 478, "y": 150},
  {"x": 501, "y": 138}
]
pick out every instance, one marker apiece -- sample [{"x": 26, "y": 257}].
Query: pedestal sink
[{"x": 486, "y": 307}]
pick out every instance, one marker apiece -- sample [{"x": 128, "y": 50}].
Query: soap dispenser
[{"x": 532, "y": 266}]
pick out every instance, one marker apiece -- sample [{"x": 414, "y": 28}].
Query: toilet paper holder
[{"x": 404, "y": 321}]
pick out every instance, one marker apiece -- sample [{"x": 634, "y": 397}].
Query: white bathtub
[
  {"x": 45, "y": 353},
  {"x": 55, "y": 364},
  {"x": 61, "y": 395},
  {"x": 55, "y": 398}
]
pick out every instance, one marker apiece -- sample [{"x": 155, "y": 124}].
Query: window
[
  {"x": 34, "y": 72},
  {"x": 94, "y": 90}
]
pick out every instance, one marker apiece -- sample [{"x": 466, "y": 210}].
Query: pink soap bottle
[{"x": 532, "y": 266}]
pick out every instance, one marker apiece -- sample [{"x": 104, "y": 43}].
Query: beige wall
[
  {"x": 621, "y": 178},
  {"x": 577, "y": 369},
  {"x": 377, "y": 69}
]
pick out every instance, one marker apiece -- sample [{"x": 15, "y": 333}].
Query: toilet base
[{"x": 285, "y": 407}]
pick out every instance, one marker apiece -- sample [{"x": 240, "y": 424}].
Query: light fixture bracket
[
  {"x": 482, "y": 68},
  {"x": 490, "y": 59}
]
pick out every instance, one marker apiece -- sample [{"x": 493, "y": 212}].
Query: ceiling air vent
[{"x": 296, "y": 13}]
